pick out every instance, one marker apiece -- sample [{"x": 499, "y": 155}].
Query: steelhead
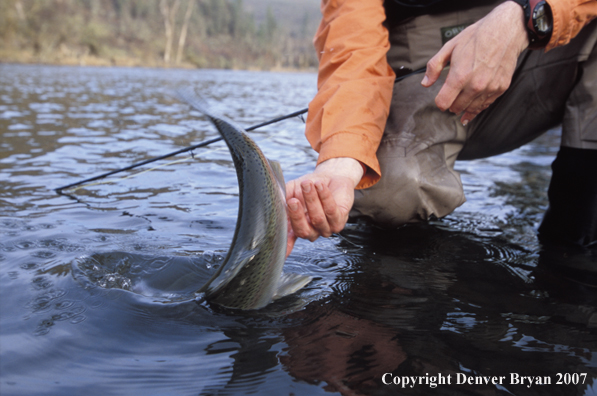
[{"x": 251, "y": 275}]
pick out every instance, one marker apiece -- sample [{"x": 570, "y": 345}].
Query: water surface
[{"x": 97, "y": 286}]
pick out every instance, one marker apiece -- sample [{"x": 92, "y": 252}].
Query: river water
[{"x": 97, "y": 285}]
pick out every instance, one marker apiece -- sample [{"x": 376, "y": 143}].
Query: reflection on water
[{"x": 97, "y": 289}]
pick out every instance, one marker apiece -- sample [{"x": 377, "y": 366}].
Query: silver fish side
[{"x": 251, "y": 275}]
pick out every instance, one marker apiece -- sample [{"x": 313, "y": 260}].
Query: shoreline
[{"x": 24, "y": 58}]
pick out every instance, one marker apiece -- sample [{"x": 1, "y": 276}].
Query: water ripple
[{"x": 106, "y": 278}]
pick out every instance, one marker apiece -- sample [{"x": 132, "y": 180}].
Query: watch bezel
[{"x": 546, "y": 14}]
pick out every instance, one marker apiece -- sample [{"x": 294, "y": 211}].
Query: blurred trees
[
  {"x": 169, "y": 13},
  {"x": 183, "y": 31},
  {"x": 200, "y": 33}
]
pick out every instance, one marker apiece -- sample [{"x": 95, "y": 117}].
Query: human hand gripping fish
[{"x": 251, "y": 275}]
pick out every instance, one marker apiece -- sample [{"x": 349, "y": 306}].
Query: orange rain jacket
[{"x": 349, "y": 112}]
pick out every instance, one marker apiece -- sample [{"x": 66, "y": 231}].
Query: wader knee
[{"x": 412, "y": 188}]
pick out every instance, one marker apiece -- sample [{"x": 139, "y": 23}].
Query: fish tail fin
[
  {"x": 291, "y": 283},
  {"x": 194, "y": 100},
  {"x": 225, "y": 126}
]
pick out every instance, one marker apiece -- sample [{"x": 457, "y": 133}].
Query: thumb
[{"x": 290, "y": 241}]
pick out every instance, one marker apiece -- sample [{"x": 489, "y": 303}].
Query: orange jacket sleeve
[
  {"x": 569, "y": 17},
  {"x": 348, "y": 115}
]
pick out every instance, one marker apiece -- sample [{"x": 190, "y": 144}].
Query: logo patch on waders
[{"x": 450, "y": 32}]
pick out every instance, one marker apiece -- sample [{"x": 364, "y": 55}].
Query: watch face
[{"x": 542, "y": 18}]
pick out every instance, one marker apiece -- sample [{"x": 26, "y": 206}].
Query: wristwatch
[{"x": 539, "y": 21}]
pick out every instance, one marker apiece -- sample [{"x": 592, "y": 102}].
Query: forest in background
[{"x": 160, "y": 33}]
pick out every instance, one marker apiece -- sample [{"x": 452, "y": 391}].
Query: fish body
[{"x": 251, "y": 275}]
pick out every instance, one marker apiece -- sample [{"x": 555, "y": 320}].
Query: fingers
[
  {"x": 482, "y": 59},
  {"x": 475, "y": 108},
  {"x": 319, "y": 203},
  {"x": 318, "y": 206},
  {"x": 459, "y": 93},
  {"x": 319, "y": 224},
  {"x": 447, "y": 95},
  {"x": 476, "y": 98},
  {"x": 335, "y": 219},
  {"x": 468, "y": 93},
  {"x": 300, "y": 221},
  {"x": 318, "y": 214},
  {"x": 463, "y": 90}
]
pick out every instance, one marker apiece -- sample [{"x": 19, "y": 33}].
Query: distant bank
[{"x": 224, "y": 34}]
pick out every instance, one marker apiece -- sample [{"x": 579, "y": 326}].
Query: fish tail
[{"x": 194, "y": 100}]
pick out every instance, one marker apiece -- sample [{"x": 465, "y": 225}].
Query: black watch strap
[{"x": 522, "y": 3}]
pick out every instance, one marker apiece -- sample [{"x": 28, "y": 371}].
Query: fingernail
[
  {"x": 465, "y": 123},
  {"x": 306, "y": 187},
  {"x": 319, "y": 186},
  {"x": 425, "y": 81},
  {"x": 293, "y": 206}
]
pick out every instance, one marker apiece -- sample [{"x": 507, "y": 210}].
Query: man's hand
[
  {"x": 482, "y": 61},
  {"x": 319, "y": 203}
]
